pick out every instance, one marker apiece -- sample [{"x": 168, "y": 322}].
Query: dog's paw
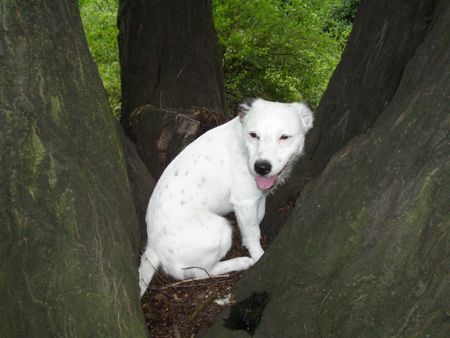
[
  {"x": 256, "y": 253},
  {"x": 245, "y": 262}
]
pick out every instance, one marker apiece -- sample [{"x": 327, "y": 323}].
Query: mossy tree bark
[
  {"x": 366, "y": 252},
  {"x": 68, "y": 238}
]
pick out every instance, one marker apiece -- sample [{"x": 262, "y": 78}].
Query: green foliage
[
  {"x": 340, "y": 23},
  {"x": 283, "y": 50},
  {"x": 99, "y": 20},
  {"x": 278, "y": 49}
]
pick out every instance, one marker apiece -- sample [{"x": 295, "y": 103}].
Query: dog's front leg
[{"x": 249, "y": 213}]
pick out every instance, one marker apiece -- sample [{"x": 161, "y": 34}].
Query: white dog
[{"x": 229, "y": 168}]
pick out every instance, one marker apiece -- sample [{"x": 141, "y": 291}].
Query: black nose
[{"x": 262, "y": 167}]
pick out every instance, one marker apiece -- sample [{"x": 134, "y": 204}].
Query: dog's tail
[{"x": 148, "y": 267}]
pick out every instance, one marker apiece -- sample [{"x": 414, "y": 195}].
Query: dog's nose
[{"x": 262, "y": 167}]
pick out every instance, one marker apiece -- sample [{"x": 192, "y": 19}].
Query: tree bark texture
[
  {"x": 169, "y": 56},
  {"x": 141, "y": 182},
  {"x": 365, "y": 252},
  {"x": 384, "y": 38},
  {"x": 68, "y": 240}
]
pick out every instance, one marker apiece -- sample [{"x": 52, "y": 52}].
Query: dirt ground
[{"x": 180, "y": 309}]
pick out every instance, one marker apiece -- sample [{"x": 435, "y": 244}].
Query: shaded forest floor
[{"x": 180, "y": 309}]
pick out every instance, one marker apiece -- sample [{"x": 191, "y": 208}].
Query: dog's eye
[
  {"x": 285, "y": 137},
  {"x": 253, "y": 135}
]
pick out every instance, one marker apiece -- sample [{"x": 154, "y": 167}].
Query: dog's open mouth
[{"x": 266, "y": 183}]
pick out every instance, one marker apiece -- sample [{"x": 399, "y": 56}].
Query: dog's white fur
[{"x": 213, "y": 176}]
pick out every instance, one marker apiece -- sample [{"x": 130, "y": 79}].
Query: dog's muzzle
[{"x": 262, "y": 168}]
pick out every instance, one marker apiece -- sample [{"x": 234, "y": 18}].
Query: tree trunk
[
  {"x": 68, "y": 239},
  {"x": 141, "y": 183},
  {"x": 365, "y": 252},
  {"x": 169, "y": 56},
  {"x": 362, "y": 85}
]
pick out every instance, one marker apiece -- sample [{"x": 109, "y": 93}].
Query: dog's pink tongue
[{"x": 265, "y": 183}]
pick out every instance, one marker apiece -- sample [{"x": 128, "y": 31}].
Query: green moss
[
  {"x": 52, "y": 173},
  {"x": 420, "y": 212},
  {"x": 356, "y": 226},
  {"x": 55, "y": 107},
  {"x": 64, "y": 209},
  {"x": 38, "y": 151}
]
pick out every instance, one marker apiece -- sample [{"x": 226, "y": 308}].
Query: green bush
[
  {"x": 278, "y": 49},
  {"x": 283, "y": 50},
  {"x": 99, "y": 20}
]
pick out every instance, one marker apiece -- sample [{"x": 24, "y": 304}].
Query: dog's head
[{"x": 274, "y": 135}]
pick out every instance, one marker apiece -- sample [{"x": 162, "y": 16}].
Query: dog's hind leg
[
  {"x": 149, "y": 265},
  {"x": 206, "y": 242}
]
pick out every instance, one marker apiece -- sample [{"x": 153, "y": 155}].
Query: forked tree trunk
[
  {"x": 68, "y": 234},
  {"x": 365, "y": 252}
]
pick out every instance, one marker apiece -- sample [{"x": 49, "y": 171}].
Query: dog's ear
[
  {"x": 243, "y": 108},
  {"x": 306, "y": 115}
]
